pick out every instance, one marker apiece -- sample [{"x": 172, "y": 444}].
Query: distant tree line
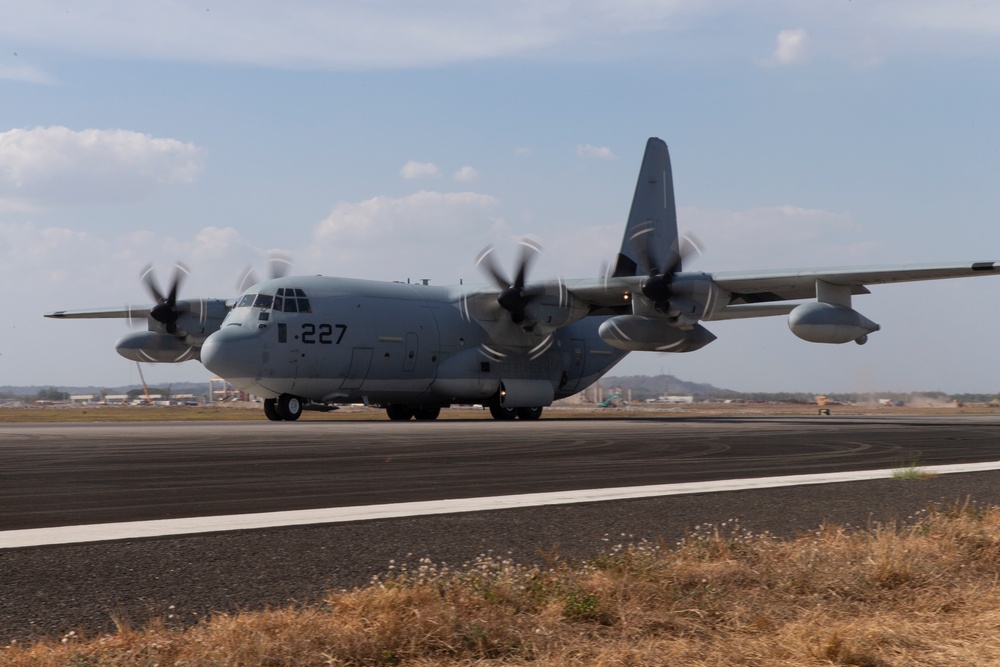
[{"x": 51, "y": 394}]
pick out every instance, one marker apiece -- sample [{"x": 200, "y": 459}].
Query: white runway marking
[{"x": 131, "y": 530}]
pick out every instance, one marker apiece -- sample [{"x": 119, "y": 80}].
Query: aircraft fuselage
[{"x": 340, "y": 340}]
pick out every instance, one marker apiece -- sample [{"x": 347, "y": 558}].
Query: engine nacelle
[
  {"x": 151, "y": 346},
  {"x": 652, "y": 334},
  {"x": 828, "y": 323}
]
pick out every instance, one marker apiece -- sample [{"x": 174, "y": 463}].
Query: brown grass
[{"x": 923, "y": 594}]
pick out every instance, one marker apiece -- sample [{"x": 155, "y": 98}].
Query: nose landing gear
[{"x": 284, "y": 408}]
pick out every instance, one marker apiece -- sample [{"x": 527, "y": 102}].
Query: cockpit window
[
  {"x": 255, "y": 301},
  {"x": 291, "y": 300}
]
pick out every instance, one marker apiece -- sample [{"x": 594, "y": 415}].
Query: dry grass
[{"x": 923, "y": 594}]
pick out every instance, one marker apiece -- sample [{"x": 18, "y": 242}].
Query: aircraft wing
[
  {"x": 610, "y": 293},
  {"x": 102, "y": 313},
  {"x": 762, "y": 293},
  {"x": 749, "y": 287}
]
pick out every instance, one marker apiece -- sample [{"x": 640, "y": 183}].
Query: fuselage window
[
  {"x": 290, "y": 306},
  {"x": 304, "y": 305},
  {"x": 246, "y": 301},
  {"x": 278, "y": 304},
  {"x": 263, "y": 301}
]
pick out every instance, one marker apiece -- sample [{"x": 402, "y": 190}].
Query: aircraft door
[
  {"x": 361, "y": 359},
  {"x": 576, "y": 365},
  {"x": 410, "y": 352}
]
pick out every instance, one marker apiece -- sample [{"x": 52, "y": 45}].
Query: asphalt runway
[{"x": 54, "y": 475}]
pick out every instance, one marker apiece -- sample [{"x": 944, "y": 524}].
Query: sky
[{"x": 393, "y": 139}]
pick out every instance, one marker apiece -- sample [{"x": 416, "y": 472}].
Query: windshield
[{"x": 287, "y": 300}]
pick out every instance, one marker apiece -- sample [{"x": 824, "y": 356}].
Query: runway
[{"x": 56, "y": 475}]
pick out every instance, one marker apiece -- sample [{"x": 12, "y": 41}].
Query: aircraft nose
[{"x": 233, "y": 353}]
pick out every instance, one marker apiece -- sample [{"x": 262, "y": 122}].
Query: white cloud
[
  {"x": 421, "y": 214},
  {"x": 413, "y": 170},
  {"x": 776, "y": 237},
  {"x": 71, "y": 268},
  {"x": 790, "y": 48},
  {"x": 597, "y": 152},
  {"x": 25, "y": 73},
  {"x": 336, "y": 34},
  {"x": 958, "y": 16},
  {"x": 397, "y": 237},
  {"x": 214, "y": 243},
  {"x": 50, "y": 166},
  {"x": 467, "y": 174},
  {"x": 347, "y": 35},
  {"x": 522, "y": 151}
]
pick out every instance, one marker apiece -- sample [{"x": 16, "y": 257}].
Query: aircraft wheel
[
  {"x": 503, "y": 414},
  {"x": 399, "y": 413},
  {"x": 529, "y": 414},
  {"x": 289, "y": 407},
  {"x": 271, "y": 410},
  {"x": 427, "y": 412}
]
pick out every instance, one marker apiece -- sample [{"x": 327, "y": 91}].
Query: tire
[
  {"x": 503, "y": 414},
  {"x": 427, "y": 412},
  {"x": 399, "y": 413},
  {"x": 271, "y": 410},
  {"x": 289, "y": 407},
  {"x": 529, "y": 414}
]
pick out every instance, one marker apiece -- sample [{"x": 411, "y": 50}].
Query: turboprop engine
[
  {"x": 829, "y": 323},
  {"x": 154, "y": 346},
  {"x": 652, "y": 334}
]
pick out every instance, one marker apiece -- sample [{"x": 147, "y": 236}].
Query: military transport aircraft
[{"x": 311, "y": 342}]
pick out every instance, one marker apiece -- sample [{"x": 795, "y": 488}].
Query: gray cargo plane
[{"x": 312, "y": 342}]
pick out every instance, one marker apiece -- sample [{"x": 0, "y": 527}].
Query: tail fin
[{"x": 651, "y": 234}]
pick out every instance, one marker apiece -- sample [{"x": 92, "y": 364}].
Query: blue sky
[{"x": 394, "y": 139}]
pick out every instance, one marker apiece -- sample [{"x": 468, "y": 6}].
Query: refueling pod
[{"x": 830, "y": 323}]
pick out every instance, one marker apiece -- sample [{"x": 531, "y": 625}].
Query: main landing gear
[
  {"x": 501, "y": 413},
  {"x": 284, "y": 408},
  {"x": 398, "y": 412}
]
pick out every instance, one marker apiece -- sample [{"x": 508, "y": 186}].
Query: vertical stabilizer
[{"x": 650, "y": 239}]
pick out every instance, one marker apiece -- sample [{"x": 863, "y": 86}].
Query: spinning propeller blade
[
  {"x": 515, "y": 296},
  {"x": 166, "y": 311}
]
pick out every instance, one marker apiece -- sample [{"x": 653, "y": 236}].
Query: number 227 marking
[{"x": 309, "y": 333}]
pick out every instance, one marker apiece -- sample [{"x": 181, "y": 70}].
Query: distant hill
[{"x": 646, "y": 386}]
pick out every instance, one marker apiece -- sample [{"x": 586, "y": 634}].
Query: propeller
[
  {"x": 278, "y": 265},
  {"x": 166, "y": 311},
  {"x": 515, "y": 295},
  {"x": 658, "y": 286}
]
